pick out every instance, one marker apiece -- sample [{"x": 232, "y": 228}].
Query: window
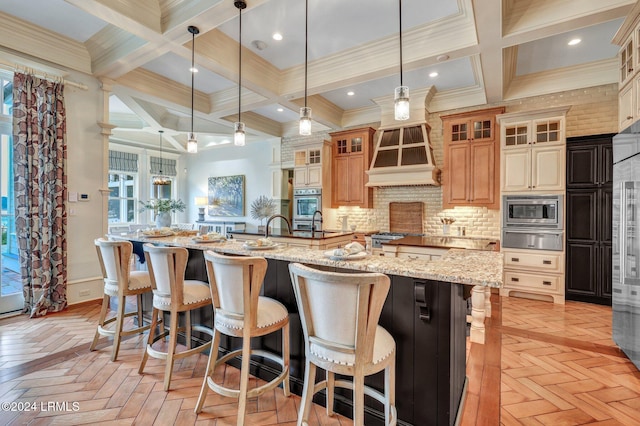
[
  {"x": 6, "y": 96},
  {"x": 122, "y": 197}
]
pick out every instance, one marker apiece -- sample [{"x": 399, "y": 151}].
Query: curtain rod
[{"x": 39, "y": 73}]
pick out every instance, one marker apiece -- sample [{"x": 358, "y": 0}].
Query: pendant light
[
  {"x": 305, "y": 112},
  {"x": 161, "y": 179},
  {"x": 401, "y": 94},
  {"x": 192, "y": 141},
  {"x": 238, "y": 126}
]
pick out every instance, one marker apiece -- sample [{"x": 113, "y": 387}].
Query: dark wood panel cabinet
[{"x": 588, "y": 219}]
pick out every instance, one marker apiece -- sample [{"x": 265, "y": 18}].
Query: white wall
[
  {"x": 85, "y": 174},
  {"x": 251, "y": 160}
]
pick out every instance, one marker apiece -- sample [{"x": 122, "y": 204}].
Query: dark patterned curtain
[{"x": 40, "y": 184}]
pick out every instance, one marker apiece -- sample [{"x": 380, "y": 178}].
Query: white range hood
[{"x": 403, "y": 153}]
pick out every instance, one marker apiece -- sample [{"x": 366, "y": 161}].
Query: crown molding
[{"x": 28, "y": 39}]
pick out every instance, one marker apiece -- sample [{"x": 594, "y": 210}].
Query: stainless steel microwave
[{"x": 532, "y": 211}]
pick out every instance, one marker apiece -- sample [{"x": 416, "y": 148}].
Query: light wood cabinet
[
  {"x": 533, "y": 151},
  {"x": 534, "y": 273},
  {"x": 471, "y": 169},
  {"x": 311, "y": 165},
  {"x": 351, "y": 150}
]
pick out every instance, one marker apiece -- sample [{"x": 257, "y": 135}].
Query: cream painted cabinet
[
  {"x": 533, "y": 151},
  {"x": 627, "y": 101},
  {"x": 311, "y": 166},
  {"x": 413, "y": 252},
  {"x": 628, "y": 38},
  {"x": 534, "y": 272}
]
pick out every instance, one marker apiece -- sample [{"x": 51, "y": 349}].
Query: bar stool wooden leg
[
  {"x": 211, "y": 365},
  {"x": 119, "y": 327},
  {"x": 244, "y": 378},
  {"x": 330, "y": 387},
  {"x": 173, "y": 341},
  {"x": 358, "y": 398},
  {"x": 152, "y": 334},
  {"x": 103, "y": 315},
  {"x": 187, "y": 331},
  {"x": 139, "y": 302},
  {"x": 285, "y": 358},
  {"x": 389, "y": 391},
  {"x": 307, "y": 393}
]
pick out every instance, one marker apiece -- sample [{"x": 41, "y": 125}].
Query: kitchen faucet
[
  {"x": 313, "y": 223},
  {"x": 266, "y": 228}
]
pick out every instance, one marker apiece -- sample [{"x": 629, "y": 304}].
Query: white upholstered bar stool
[
  {"x": 120, "y": 282},
  {"x": 173, "y": 294},
  {"x": 339, "y": 314},
  {"x": 240, "y": 311}
]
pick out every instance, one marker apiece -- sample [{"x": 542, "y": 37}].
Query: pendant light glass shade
[
  {"x": 192, "y": 143},
  {"x": 401, "y": 107},
  {"x": 161, "y": 179},
  {"x": 305, "y": 121},
  {"x": 192, "y": 140},
  {"x": 238, "y": 133},
  {"x": 401, "y": 103}
]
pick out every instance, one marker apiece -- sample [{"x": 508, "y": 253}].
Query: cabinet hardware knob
[
  {"x": 629, "y": 117},
  {"x": 514, "y": 279},
  {"x": 546, "y": 262},
  {"x": 630, "y": 69},
  {"x": 515, "y": 259},
  {"x": 546, "y": 282},
  {"x": 412, "y": 257}
]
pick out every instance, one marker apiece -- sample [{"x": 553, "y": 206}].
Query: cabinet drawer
[
  {"x": 537, "y": 262},
  {"x": 414, "y": 256},
  {"x": 531, "y": 281}
]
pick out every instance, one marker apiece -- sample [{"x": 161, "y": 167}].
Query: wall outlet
[{"x": 84, "y": 293}]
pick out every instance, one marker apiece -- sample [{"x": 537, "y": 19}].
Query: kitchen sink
[{"x": 316, "y": 235}]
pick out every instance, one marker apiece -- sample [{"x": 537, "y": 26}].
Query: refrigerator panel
[{"x": 625, "y": 257}]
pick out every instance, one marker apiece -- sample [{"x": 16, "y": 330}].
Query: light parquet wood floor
[{"x": 543, "y": 364}]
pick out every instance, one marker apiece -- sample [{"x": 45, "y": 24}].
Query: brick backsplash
[{"x": 593, "y": 111}]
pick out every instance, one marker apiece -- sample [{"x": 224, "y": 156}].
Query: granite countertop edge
[{"x": 460, "y": 266}]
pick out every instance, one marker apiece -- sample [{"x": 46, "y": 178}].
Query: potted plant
[
  {"x": 163, "y": 209},
  {"x": 261, "y": 208}
]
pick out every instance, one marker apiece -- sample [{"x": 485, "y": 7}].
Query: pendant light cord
[
  {"x": 239, "y": 63},
  {"x": 400, "y": 21},
  {"x": 160, "y": 131},
  {"x": 193, "y": 72},
  {"x": 306, "y": 47}
]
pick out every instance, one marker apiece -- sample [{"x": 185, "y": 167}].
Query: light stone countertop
[{"x": 473, "y": 267}]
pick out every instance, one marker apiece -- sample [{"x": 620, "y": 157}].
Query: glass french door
[{"x": 11, "y": 298}]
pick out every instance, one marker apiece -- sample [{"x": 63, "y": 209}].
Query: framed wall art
[{"x": 226, "y": 196}]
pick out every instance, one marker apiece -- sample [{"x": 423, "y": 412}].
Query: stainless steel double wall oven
[{"x": 533, "y": 222}]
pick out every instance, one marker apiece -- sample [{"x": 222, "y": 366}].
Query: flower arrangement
[
  {"x": 447, "y": 220},
  {"x": 262, "y": 207},
  {"x": 163, "y": 206}
]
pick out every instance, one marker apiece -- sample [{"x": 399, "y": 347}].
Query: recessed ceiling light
[
  {"x": 574, "y": 41},
  {"x": 433, "y": 74},
  {"x": 350, "y": 93},
  {"x": 277, "y": 36},
  {"x": 193, "y": 69},
  {"x": 280, "y": 109}
]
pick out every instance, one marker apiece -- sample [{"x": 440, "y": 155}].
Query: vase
[
  {"x": 445, "y": 229},
  {"x": 163, "y": 220}
]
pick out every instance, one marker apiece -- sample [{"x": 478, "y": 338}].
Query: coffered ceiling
[{"x": 483, "y": 51}]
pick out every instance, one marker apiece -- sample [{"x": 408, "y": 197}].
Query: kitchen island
[{"x": 425, "y": 311}]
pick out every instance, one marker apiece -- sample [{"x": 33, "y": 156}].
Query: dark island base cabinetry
[{"x": 430, "y": 338}]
